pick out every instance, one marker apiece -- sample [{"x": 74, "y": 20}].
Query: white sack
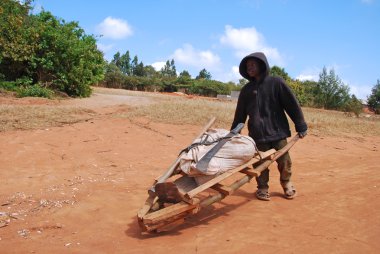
[{"x": 235, "y": 152}]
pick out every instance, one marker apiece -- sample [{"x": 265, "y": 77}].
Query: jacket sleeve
[
  {"x": 292, "y": 107},
  {"x": 240, "y": 111}
]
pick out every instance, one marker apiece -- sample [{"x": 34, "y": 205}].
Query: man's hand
[{"x": 302, "y": 134}]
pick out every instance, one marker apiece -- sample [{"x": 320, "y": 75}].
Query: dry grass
[
  {"x": 180, "y": 110},
  {"x": 335, "y": 123},
  {"x": 25, "y": 117},
  {"x": 187, "y": 111}
]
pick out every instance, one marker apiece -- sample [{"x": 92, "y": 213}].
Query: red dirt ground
[{"x": 77, "y": 189}]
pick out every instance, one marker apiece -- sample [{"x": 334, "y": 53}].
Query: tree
[
  {"x": 66, "y": 58},
  {"x": 139, "y": 70},
  {"x": 17, "y": 39},
  {"x": 373, "y": 99},
  {"x": 204, "y": 74},
  {"x": 173, "y": 69},
  {"x": 117, "y": 60},
  {"x": 279, "y": 72},
  {"x": 125, "y": 63},
  {"x": 149, "y": 71},
  {"x": 169, "y": 69},
  {"x": 185, "y": 75},
  {"x": 184, "y": 78},
  {"x": 134, "y": 64},
  {"x": 113, "y": 76},
  {"x": 330, "y": 92},
  {"x": 354, "y": 105}
]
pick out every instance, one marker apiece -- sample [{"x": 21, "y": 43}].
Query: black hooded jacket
[{"x": 265, "y": 101}]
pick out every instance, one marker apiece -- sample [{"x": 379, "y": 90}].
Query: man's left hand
[{"x": 302, "y": 134}]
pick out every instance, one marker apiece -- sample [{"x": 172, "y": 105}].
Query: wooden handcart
[{"x": 175, "y": 195}]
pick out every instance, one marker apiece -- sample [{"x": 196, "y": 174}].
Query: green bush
[
  {"x": 354, "y": 106},
  {"x": 8, "y": 85},
  {"x": 34, "y": 91}
]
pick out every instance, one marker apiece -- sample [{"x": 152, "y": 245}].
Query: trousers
[{"x": 284, "y": 164}]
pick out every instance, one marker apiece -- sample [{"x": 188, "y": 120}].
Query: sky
[{"x": 301, "y": 36}]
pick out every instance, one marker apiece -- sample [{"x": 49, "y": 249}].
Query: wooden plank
[
  {"x": 250, "y": 172},
  {"x": 225, "y": 190},
  {"x": 227, "y": 174},
  {"x": 146, "y": 207},
  {"x": 168, "y": 212}
]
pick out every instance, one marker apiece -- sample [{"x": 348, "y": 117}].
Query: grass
[
  {"x": 335, "y": 123},
  {"x": 25, "y": 117},
  {"x": 197, "y": 111},
  {"x": 179, "y": 110}
]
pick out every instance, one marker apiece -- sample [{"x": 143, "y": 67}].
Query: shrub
[{"x": 34, "y": 91}]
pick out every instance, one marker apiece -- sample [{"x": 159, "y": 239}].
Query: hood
[{"x": 257, "y": 55}]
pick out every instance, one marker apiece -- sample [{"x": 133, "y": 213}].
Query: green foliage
[
  {"x": 204, "y": 74},
  {"x": 303, "y": 91},
  {"x": 184, "y": 78},
  {"x": 125, "y": 64},
  {"x": 149, "y": 71},
  {"x": 8, "y": 86},
  {"x": 209, "y": 88},
  {"x": 373, "y": 99},
  {"x": 34, "y": 91},
  {"x": 279, "y": 72},
  {"x": 185, "y": 74},
  {"x": 47, "y": 50},
  {"x": 114, "y": 78},
  {"x": 330, "y": 92},
  {"x": 16, "y": 38},
  {"x": 169, "y": 69},
  {"x": 66, "y": 59},
  {"x": 354, "y": 105}
]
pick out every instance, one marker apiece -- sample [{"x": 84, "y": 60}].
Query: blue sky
[{"x": 301, "y": 36}]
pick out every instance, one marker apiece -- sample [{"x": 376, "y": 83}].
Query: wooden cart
[{"x": 175, "y": 196}]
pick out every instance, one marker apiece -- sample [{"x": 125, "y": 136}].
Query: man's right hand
[{"x": 302, "y": 134}]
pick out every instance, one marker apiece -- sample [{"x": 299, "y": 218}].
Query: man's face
[{"x": 253, "y": 68}]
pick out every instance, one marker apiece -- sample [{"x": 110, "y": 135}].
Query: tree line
[{"x": 41, "y": 55}]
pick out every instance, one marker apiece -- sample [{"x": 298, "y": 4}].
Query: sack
[{"x": 235, "y": 152}]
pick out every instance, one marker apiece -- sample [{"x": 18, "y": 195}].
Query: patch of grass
[
  {"x": 24, "y": 117},
  {"x": 197, "y": 111},
  {"x": 335, "y": 123}
]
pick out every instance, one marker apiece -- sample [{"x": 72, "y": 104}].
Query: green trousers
[{"x": 284, "y": 164}]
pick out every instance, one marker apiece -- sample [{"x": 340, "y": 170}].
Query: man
[{"x": 265, "y": 99}]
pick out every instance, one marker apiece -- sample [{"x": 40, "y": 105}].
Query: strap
[{"x": 203, "y": 142}]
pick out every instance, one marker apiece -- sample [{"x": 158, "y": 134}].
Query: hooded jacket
[{"x": 265, "y": 102}]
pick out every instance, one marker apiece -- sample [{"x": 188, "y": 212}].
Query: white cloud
[
  {"x": 361, "y": 92},
  {"x": 201, "y": 59},
  {"x": 158, "y": 65},
  {"x": 232, "y": 75},
  {"x": 114, "y": 28},
  {"x": 104, "y": 47},
  {"x": 235, "y": 71},
  {"x": 367, "y": 1},
  {"x": 304, "y": 77},
  {"x": 311, "y": 74},
  {"x": 249, "y": 40}
]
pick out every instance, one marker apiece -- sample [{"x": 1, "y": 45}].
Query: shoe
[
  {"x": 263, "y": 194},
  {"x": 289, "y": 190}
]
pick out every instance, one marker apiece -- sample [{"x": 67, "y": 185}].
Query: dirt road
[{"x": 77, "y": 189}]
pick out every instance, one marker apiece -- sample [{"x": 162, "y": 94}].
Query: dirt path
[{"x": 77, "y": 189}]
